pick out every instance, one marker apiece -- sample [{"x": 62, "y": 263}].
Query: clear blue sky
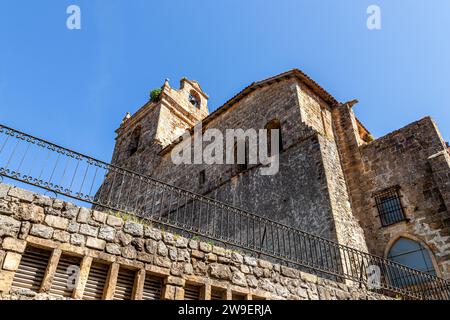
[{"x": 73, "y": 87}]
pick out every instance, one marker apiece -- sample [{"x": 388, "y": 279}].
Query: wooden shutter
[
  {"x": 31, "y": 269},
  {"x": 152, "y": 287},
  {"x": 124, "y": 284},
  {"x": 238, "y": 296},
  {"x": 95, "y": 284},
  {"x": 218, "y": 294},
  {"x": 191, "y": 292},
  {"x": 60, "y": 283}
]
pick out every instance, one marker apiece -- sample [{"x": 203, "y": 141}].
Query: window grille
[
  {"x": 152, "y": 287},
  {"x": 191, "y": 292},
  {"x": 124, "y": 284},
  {"x": 65, "y": 277},
  {"x": 31, "y": 271},
  {"x": 218, "y": 294},
  {"x": 389, "y": 207},
  {"x": 96, "y": 282}
]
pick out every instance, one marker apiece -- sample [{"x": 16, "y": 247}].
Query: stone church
[{"x": 388, "y": 196}]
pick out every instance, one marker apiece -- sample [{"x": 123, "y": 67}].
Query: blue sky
[{"x": 73, "y": 87}]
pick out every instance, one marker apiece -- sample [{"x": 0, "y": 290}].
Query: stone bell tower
[{"x": 156, "y": 124}]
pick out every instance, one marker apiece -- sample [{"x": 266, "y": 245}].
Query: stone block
[
  {"x": 153, "y": 233},
  {"x": 13, "y": 244},
  {"x": 95, "y": 243},
  {"x": 42, "y": 231},
  {"x": 77, "y": 239},
  {"x": 21, "y": 194},
  {"x": 133, "y": 228},
  {"x": 57, "y": 222},
  {"x": 113, "y": 248},
  {"x": 84, "y": 215},
  {"x": 9, "y": 227},
  {"x": 62, "y": 236},
  {"x": 11, "y": 261},
  {"x": 99, "y": 216},
  {"x": 114, "y": 221},
  {"x": 107, "y": 233},
  {"x": 88, "y": 230}
]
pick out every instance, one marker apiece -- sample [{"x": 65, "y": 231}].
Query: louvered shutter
[
  {"x": 124, "y": 284},
  {"x": 217, "y": 294},
  {"x": 31, "y": 269},
  {"x": 191, "y": 292},
  {"x": 152, "y": 287},
  {"x": 61, "y": 285},
  {"x": 95, "y": 284},
  {"x": 237, "y": 296}
]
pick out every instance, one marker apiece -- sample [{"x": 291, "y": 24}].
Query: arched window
[
  {"x": 194, "y": 99},
  {"x": 134, "y": 142},
  {"x": 411, "y": 254},
  {"x": 273, "y": 125}
]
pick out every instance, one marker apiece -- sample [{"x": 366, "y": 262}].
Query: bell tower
[{"x": 165, "y": 117}]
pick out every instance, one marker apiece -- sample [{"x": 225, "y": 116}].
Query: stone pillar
[
  {"x": 111, "y": 281},
  {"x": 139, "y": 285},
  {"x": 85, "y": 267},
  {"x": 50, "y": 271}
]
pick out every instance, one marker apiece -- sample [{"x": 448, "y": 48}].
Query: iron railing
[{"x": 48, "y": 166}]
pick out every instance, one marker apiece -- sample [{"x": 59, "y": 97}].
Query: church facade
[{"x": 388, "y": 196}]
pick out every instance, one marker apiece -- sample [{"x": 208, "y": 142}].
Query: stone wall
[
  {"x": 61, "y": 228},
  {"x": 415, "y": 160}
]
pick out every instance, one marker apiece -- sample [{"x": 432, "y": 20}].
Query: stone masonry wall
[
  {"x": 28, "y": 219},
  {"x": 414, "y": 159}
]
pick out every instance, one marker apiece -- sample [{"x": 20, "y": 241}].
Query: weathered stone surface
[
  {"x": 181, "y": 242},
  {"x": 107, "y": 233},
  {"x": 151, "y": 246},
  {"x": 205, "y": 247},
  {"x": 70, "y": 211},
  {"x": 41, "y": 231},
  {"x": 239, "y": 279},
  {"x": 4, "y": 188},
  {"x": 77, "y": 239},
  {"x": 11, "y": 261},
  {"x": 123, "y": 238},
  {"x": 88, "y": 230},
  {"x": 113, "y": 248},
  {"x": 73, "y": 227},
  {"x": 236, "y": 257},
  {"x": 114, "y": 221},
  {"x": 9, "y": 227},
  {"x": 24, "y": 230},
  {"x": 251, "y": 261},
  {"x": 61, "y": 235},
  {"x": 84, "y": 215},
  {"x": 13, "y": 244},
  {"x": 129, "y": 252},
  {"x": 21, "y": 194},
  {"x": 99, "y": 216},
  {"x": 6, "y": 279},
  {"x": 133, "y": 228},
  {"x": 153, "y": 233},
  {"x": 145, "y": 257},
  {"x": 57, "y": 222},
  {"x": 220, "y": 271},
  {"x": 95, "y": 243},
  {"x": 30, "y": 212},
  {"x": 162, "y": 249},
  {"x": 138, "y": 244}
]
